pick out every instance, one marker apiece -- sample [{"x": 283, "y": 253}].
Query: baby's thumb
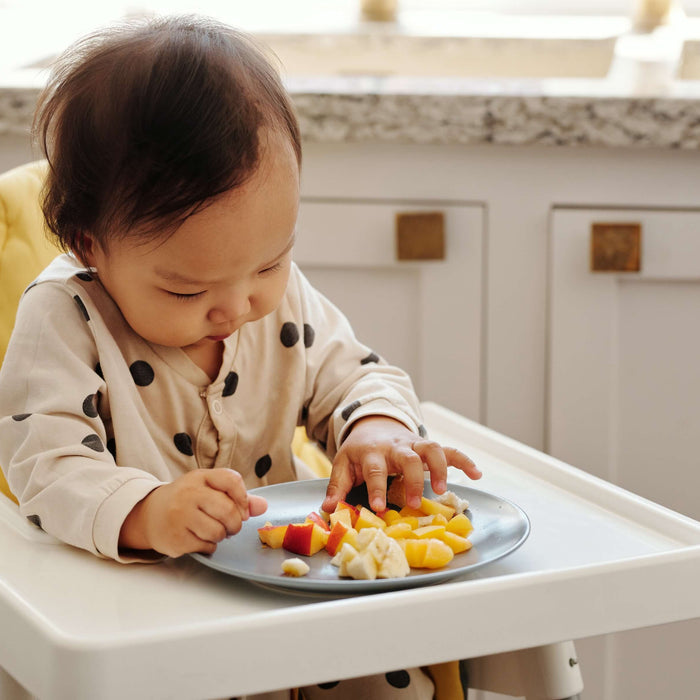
[{"x": 257, "y": 505}]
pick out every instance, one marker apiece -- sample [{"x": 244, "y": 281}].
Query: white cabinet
[
  {"x": 624, "y": 390},
  {"x": 624, "y": 404},
  {"x": 424, "y": 316}
]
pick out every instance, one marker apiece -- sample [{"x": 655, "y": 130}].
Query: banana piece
[
  {"x": 362, "y": 566},
  {"x": 295, "y": 567},
  {"x": 345, "y": 554},
  {"x": 376, "y": 556},
  {"x": 449, "y": 498}
]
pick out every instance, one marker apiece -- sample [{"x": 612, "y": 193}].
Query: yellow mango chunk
[
  {"x": 412, "y": 521},
  {"x": 414, "y": 512},
  {"x": 456, "y": 543},
  {"x": 429, "y": 531},
  {"x": 390, "y": 516},
  {"x": 367, "y": 518},
  {"x": 460, "y": 525},
  {"x": 433, "y": 508},
  {"x": 427, "y": 554},
  {"x": 437, "y": 555},
  {"x": 400, "y": 530},
  {"x": 415, "y": 552},
  {"x": 350, "y": 537}
]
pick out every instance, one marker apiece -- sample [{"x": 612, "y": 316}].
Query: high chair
[{"x": 544, "y": 673}]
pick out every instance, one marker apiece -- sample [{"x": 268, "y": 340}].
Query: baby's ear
[{"x": 85, "y": 249}]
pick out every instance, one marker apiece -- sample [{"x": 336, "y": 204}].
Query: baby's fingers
[
  {"x": 374, "y": 472},
  {"x": 257, "y": 505},
  {"x": 433, "y": 456},
  {"x": 458, "y": 459},
  {"x": 408, "y": 461},
  {"x": 342, "y": 479},
  {"x": 231, "y": 483},
  {"x": 221, "y": 510}
]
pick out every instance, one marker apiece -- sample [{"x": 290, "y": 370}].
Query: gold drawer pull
[
  {"x": 420, "y": 235},
  {"x": 616, "y": 247}
]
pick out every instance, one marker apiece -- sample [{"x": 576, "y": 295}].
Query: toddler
[{"x": 158, "y": 368}]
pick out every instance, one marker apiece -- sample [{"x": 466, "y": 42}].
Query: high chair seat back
[{"x": 25, "y": 248}]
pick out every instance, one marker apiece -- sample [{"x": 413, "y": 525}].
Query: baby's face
[{"x": 225, "y": 266}]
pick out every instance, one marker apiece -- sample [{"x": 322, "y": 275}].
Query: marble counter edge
[{"x": 462, "y": 111}]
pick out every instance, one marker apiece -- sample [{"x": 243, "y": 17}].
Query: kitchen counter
[
  {"x": 575, "y": 112},
  {"x": 478, "y": 111}
]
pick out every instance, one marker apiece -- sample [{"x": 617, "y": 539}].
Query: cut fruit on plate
[{"x": 500, "y": 527}]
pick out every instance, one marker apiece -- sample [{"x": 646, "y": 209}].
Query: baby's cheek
[{"x": 168, "y": 327}]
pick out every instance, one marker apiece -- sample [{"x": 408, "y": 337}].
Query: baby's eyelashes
[
  {"x": 271, "y": 269},
  {"x": 184, "y": 297}
]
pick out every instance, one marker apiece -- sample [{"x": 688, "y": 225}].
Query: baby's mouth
[{"x": 217, "y": 338}]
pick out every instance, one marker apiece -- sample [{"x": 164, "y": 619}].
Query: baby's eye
[
  {"x": 271, "y": 269},
  {"x": 185, "y": 297}
]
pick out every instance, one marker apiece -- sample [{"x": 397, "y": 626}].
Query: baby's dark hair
[{"x": 144, "y": 123}]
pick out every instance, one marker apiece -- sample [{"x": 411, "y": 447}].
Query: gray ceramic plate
[{"x": 500, "y": 527}]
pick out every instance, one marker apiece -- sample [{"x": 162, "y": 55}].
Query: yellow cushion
[
  {"x": 311, "y": 455},
  {"x": 25, "y": 250}
]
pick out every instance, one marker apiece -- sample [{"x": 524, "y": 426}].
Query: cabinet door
[
  {"x": 424, "y": 316},
  {"x": 624, "y": 404}
]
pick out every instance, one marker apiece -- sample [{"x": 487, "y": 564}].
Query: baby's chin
[{"x": 169, "y": 341}]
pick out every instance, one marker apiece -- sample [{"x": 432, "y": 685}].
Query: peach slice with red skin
[
  {"x": 272, "y": 535},
  {"x": 335, "y": 538},
  {"x": 305, "y": 538},
  {"x": 354, "y": 512},
  {"x": 316, "y": 518},
  {"x": 342, "y": 515},
  {"x": 367, "y": 518},
  {"x": 339, "y": 538}
]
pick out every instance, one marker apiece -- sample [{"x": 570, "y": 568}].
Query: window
[
  {"x": 545, "y": 7},
  {"x": 34, "y": 29}
]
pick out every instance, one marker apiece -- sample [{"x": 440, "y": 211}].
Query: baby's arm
[
  {"x": 191, "y": 514},
  {"x": 364, "y": 412},
  {"x": 378, "y": 446}
]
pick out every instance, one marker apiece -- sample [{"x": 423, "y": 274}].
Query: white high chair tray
[{"x": 77, "y": 626}]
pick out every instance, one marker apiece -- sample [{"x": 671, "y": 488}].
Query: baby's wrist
[{"x": 133, "y": 533}]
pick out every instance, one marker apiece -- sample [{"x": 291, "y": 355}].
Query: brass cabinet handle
[
  {"x": 420, "y": 235},
  {"x": 616, "y": 247}
]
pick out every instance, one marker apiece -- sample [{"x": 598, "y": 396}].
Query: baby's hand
[
  {"x": 191, "y": 514},
  {"x": 379, "y": 446}
]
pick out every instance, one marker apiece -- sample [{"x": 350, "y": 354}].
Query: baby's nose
[{"x": 230, "y": 309}]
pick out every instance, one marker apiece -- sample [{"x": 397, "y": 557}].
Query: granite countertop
[
  {"x": 454, "y": 111},
  {"x": 635, "y": 110}
]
